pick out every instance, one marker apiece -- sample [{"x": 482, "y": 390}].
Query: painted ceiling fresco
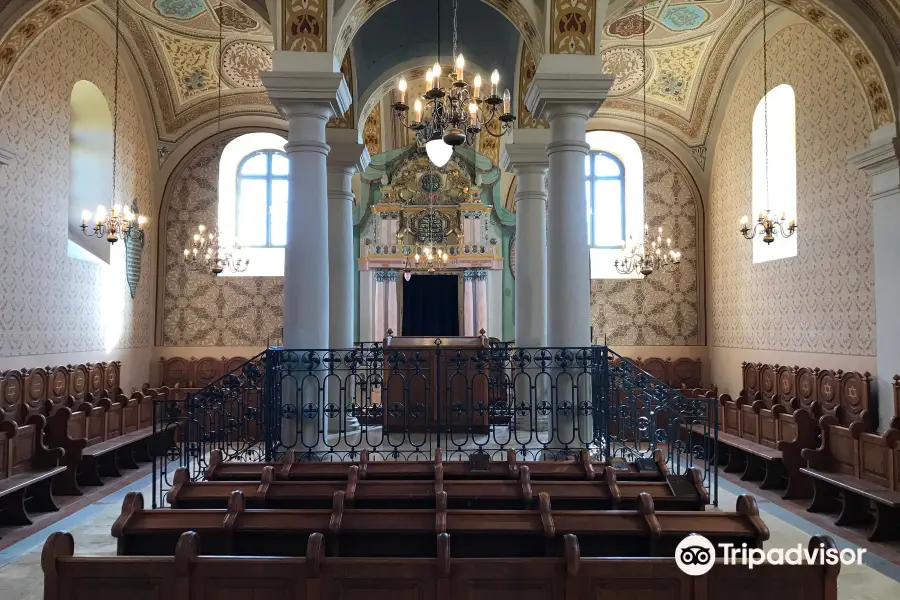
[{"x": 177, "y": 44}]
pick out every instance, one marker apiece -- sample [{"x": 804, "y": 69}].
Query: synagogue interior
[{"x": 447, "y": 299}]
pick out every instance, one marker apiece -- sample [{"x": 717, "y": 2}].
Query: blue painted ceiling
[{"x": 407, "y": 29}]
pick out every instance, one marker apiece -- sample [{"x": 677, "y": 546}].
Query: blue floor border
[
  {"x": 873, "y": 561},
  {"x": 22, "y": 547}
]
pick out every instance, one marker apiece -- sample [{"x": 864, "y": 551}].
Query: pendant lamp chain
[
  {"x": 115, "y": 115},
  {"x": 766, "y": 100}
]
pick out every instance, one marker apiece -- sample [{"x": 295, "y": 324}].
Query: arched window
[
  {"x": 253, "y": 196},
  {"x": 90, "y": 167},
  {"x": 261, "y": 198},
  {"x": 605, "y": 182},
  {"x": 778, "y": 156},
  {"x": 614, "y": 185}
]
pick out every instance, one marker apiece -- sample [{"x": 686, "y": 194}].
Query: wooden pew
[
  {"x": 27, "y": 469},
  {"x": 685, "y": 492},
  {"x": 406, "y": 532},
  {"x": 581, "y": 469},
  {"x": 187, "y": 575},
  {"x": 860, "y": 468},
  {"x": 768, "y": 426}
]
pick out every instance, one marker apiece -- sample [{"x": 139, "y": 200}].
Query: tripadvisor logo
[{"x": 695, "y": 555}]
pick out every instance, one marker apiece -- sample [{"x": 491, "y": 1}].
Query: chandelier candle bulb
[
  {"x": 477, "y": 84},
  {"x": 460, "y": 64},
  {"x": 429, "y": 78},
  {"x": 418, "y": 108},
  {"x": 402, "y": 88},
  {"x": 506, "y": 100},
  {"x": 495, "y": 79},
  {"x": 436, "y": 70}
]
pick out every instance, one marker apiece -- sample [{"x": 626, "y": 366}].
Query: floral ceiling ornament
[
  {"x": 179, "y": 9},
  {"x": 630, "y": 26},
  {"x": 242, "y": 62},
  {"x": 235, "y": 20}
]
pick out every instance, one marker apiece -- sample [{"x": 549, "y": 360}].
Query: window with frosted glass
[
  {"x": 262, "y": 192},
  {"x": 605, "y": 189}
]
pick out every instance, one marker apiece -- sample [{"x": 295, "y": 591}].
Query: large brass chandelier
[
  {"x": 448, "y": 117},
  {"x": 648, "y": 256},
  {"x": 207, "y": 254},
  {"x": 767, "y": 223},
  {"x": 120, "y": 221}
]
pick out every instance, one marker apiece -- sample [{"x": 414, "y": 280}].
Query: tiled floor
[{"x": 21, "y": 577}]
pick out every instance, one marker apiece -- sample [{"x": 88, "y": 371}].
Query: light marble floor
[{"x": 21, "y": 577}]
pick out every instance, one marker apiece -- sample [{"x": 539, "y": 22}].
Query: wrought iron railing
[{"x": 402, "y": 404}]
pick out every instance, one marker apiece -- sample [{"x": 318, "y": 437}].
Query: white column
[
  {"x": 347, "y": 155},
  {"x": 567, "y": 90},
  {"x": 527, "y": 158},
  {"x": 880, "y": 160},
  {"x": 307, "y": 100}
]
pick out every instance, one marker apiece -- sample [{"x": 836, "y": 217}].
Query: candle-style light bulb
[
  {"x": 429, "y": 78},
  {"x": 436, "y": 71},
  {"x": 477, "y": 83},
  {"x": 473, "y": 110},
  {"x": 495, "y": 79},
  {"x": 402, "y": 87},
  {"x": 506, "y": 100},
  {"x": 744, "y": 220},
  {"x": 418, "y": 108},
  {"x": 460, "y": 64},
  {"x": 85, "y": 215}
]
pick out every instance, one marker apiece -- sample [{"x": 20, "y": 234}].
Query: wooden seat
[
  {"x": 315, "y": 575},
  {"x": 580, "y": 469},
  {"x": 684, "y": 492},
  {"x": 853, "y": 469},
  {"x": 27, "y": 469},
  {"x": 406, "y": 532}
]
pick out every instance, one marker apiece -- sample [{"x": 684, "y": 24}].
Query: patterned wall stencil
[
  {"x": 201, "y": 310},
  {"x": 372, "y": 131},
  {"x": 305, "y": 26},
  {"x": 489, "y": 146},
  {"x": 572, "y": 26},
  {"x": 822, "y": 300},
  {"x": 661, "y": 310},
  {"x": 242, "y": 61},
  {"x": 346, "y": 121},
  {"x": 527, "y": 68},
  {"x": 50, "y": 303}
]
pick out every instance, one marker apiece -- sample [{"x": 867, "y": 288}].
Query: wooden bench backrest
[
  {"x": 78, "y": 382},
  {"x": 112, "y": 372},
  {"x": 842, "y": 448},
  {"x": 12, "y": 394},
  {"x": 879, "y": 456},
  {"x": 58, "y": 389},
  {"x": 192, "y": 372},
  {"x": 34, "y": 401},
  {"x": 189, "y": 576},
  {"x": 26, "y": 449}
]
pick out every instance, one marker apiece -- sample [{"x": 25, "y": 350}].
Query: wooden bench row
[
  {"x": 582, "y": 468},
  {"x": 406, "y": 532},
  {"x": 764, "y": 430},
  {"x": 42, "y": 391},
  {"x": 677, "y": 492},
  {"x": 186, "y": 575},
  {"x": 27, "y": 469},
  {"x": 854, "y": 471}
]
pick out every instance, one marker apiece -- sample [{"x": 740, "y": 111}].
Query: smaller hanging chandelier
[
  {"x": 432, "y": 259},
  {"x": 649, "y": 256},
  {"x": 208, "y": 255},
  {"x": 767, "y": 224},
  {"x": 120, "y": 222}
]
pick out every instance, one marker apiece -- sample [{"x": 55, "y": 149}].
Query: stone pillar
[
  {"x": 527, "y": 158},
  {"x": 307, "y": 100},
  {"x": 567, "y": 91},
  {"x": 347, "y": 155},
  {"x": 880, "y": 160}
]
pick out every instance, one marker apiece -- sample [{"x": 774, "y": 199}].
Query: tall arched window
[
  {"x": 778, "y": 157},
  {"x": 614, "y": 184},
  {"x": 605, "y": 186},
  {"x": 253, "y": 193},
  {"x": 261, "y": 198},
  {"x": 90, "y": 167}
]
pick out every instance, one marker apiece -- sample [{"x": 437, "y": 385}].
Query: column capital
[
  {"x": 319, "y": 93},
  {"x": 347, "y": 151},
  {"x": 520, "y": 156},
  {"x": 881, "y": 160},
  {"x": 568, "y": 84}
]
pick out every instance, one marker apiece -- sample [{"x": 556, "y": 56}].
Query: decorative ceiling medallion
[
  {"x": 234, "y": 19},
  {"x": 242, "y": 62},
  {"x": 191, "y": 63},
  {"x": 630, "y": 26},
  {"x": 627, "y": 64},
  {"x": 180, "y": 9},
  {"x": 684, "y": 17}
]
